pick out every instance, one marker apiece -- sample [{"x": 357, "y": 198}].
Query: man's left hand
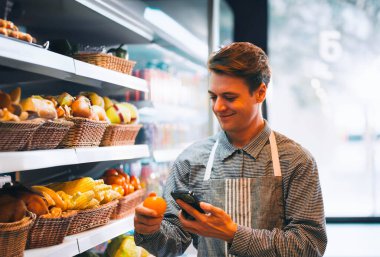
[{"x": 215, "y": 223}]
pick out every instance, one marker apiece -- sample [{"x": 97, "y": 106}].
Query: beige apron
[{"x": 251, "y": 202}]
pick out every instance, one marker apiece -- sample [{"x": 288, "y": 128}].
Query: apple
[
  {"x": 81, "y": 107},
  {"x": 133, "y": 110},
  {"x": 100, "y": 112},
  {"x": 118, "y": 114}
]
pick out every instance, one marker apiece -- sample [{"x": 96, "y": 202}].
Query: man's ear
[{"x": 261, "y": 93}]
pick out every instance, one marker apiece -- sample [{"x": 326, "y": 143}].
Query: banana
[
  {"x": 57, "y": 199},
  {"x": 67, "y": 199},
  {"x": 48, "y": 199}
]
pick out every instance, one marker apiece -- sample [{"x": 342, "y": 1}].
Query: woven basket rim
[
  {"x": 102, "y": 55},
  {"x": 24, "y": 222},
  {"x": 103, "y": 206},
  {"x": 86, "y": 120},
  {"x": 127, "y": 125},
  {"x": 67, "y": 214}
]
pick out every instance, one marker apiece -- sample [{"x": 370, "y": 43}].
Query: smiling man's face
[{"x": 234, "y": 106}]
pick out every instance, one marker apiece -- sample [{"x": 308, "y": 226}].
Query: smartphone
[{"x": 190, "y": 198}]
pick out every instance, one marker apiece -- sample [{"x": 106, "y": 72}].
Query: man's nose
[{"x": 219, "y": 105}]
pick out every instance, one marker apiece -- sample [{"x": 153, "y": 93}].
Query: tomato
[
  {"x": 135, "y": 181},
  {"x": 131, "y": 188},
  {"x": 110, "y": 172},
  {"x": 155, "y": 203},
  {"x": 126, "y": 176},
  {"x": 118, "y": 180}
]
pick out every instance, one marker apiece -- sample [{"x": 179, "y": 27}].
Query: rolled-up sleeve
[{"x": 171, "y": 239}]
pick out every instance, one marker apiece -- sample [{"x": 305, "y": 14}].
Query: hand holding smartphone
[{"x": 190, "y": 198}]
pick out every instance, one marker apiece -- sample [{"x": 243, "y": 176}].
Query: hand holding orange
[{"x": 155, "y": 203}]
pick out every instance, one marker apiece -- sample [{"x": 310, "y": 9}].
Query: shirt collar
[{"x": 253, "y": 148}]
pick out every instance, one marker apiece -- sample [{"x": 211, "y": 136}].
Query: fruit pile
[
  {"x": 121, "y": 182},
  {"x": 86, "y": 105},
  {"x": 7, "y": 28},
  {"x": 53, "y": 200}
]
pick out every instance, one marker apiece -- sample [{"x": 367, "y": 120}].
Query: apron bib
[{"x": 251, "y": 202}]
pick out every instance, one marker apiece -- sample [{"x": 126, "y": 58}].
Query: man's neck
[{"x": 240, "y": 139}]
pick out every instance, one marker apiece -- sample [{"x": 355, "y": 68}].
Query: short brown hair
[{"x": 243, "y": 60}]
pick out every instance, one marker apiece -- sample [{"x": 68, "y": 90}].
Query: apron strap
[
  {"x": 274, "y": 152},
  {"x": 210, "y": 161}
]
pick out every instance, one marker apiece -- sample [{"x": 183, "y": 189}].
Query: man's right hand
[{"x": 147, "y": 221}]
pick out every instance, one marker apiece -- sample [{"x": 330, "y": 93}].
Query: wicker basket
[
  {"x": 123, "y": 134},
  {"x": 13, "y": 236},
  {"x": 91, "y": 218},
  {"x": 49, "y": 135},
  {"x": 107, "y": 61},
  {"x": 14, "y": 135},
  {"x": 49, "y": 231},
  {"x": 84, "y": 133},
  {"x": 127, "y": 204}
]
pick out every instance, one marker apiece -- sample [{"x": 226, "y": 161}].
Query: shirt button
[{"x": 240, "y": 151}]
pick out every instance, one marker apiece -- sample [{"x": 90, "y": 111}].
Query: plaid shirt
[{"x": 304, "y": 233}]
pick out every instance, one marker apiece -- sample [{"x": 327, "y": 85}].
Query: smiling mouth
[{"x": 225, "y": 116}]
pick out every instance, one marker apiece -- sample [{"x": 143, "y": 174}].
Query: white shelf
[
  {"x": 93, "y": 75},
  {"x": 22, "y": 56},
  {"x": 29, "y": 160},
  {"x": 81, "y": 242}
]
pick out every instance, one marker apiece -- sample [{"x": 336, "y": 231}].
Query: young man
[{"x": 260, "y": 190}]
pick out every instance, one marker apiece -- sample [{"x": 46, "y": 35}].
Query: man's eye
[
  {"x": 213, "y": 97},
  {"x": 230, "y": 98}
]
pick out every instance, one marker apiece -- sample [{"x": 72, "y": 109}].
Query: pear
[
  {"x": 95, "y": 99},
  {"x": 16, "y": 95},
  {"x": 107, "y": 102},
  {"x": 5, "y": 100},
  {"x": 65, "y": 99}
]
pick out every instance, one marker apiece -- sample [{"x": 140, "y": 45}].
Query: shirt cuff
[
  {"x": 239, "y": 244},
  {"x": 140, "y": 238}
]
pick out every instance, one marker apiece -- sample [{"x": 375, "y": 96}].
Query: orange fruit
[{"x": 155, "y": 203}]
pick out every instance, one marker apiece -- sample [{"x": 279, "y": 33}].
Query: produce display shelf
[
  {"x": 29, "y": 160},
  {"x": 81, "y": 242},
  {"x": 27, "y": 57}
]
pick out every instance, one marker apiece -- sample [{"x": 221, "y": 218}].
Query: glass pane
[{"x": 325, "y": 94}]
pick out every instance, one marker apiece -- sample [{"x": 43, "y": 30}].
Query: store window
[{"x": 325, "y": 94}]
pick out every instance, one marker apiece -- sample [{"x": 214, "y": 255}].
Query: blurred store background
[{"x": 325, "y": 58}]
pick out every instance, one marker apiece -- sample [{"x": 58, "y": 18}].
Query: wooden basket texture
[
  {"x": 107, "y": 61},
  {"x": 48, "y": 135},
  {"x": 127, "y": 204},
  {"x": 84, "y": 133},
  {"x": 120, "y": 134},
  {"x": 13, "y": 236},
  {"x": 14, "y": 135},
  {"x": 91, "y": 218},
  {"x": 49, "y": 231}
]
